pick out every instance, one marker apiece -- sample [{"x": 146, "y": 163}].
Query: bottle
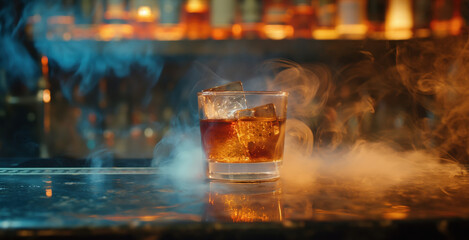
[
  {"x": 116, "y": 24},
  {"x": 143, "y": 14},
  {"x": 422, "y": 17},
  {"x": 60, "y": 26},
  {"x": 170, "y": 25},
  {"x": 351, "y": 19},
  {"x": 446, "y": 18},
  {"x": 249, "y": 21},
  {"x": 83, "y": 28},
  {"x": 222, "y": 15},
  {"x": 399, "y": 20},
  {"x": 376, "y": 17},
  {"x": 326, "y": 16},
  {"x": 276, "y": 18},
  {"x": 197, "y": 19},
  {"x": 302, "y": 19}
]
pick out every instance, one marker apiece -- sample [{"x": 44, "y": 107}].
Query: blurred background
[{"x": 80, "y": 78}]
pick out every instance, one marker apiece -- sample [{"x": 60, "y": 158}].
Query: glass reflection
[{"x": 245, "y": 202}]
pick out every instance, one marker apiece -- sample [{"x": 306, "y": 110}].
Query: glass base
[{"x": 244, "y": 172}]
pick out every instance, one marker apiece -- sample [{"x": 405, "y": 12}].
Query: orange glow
[
  {"x": 196, "y": 6},
  {"x": 352, "y": 31},
  {"x": 144, "y": 14},
  {"x": 44, "y": 60},
  {"x": 46, "y": 96},
  {"x": 144, "y": 11},
  {"x": 163, "y": 215},
  {"x": 170, "y": 33},
  {"x": 48, "y": 192},
  {"x": 399, "y": 20},
  {"x": 197, "y": 19},
  {"x": 237, "y": 31},
  {"x": 397, "y": 212},
  {"x": 351, "y": 19},
  {"x": 246, "y": 208},
  {"x": 45, "y": 67},
  {"x": 323, "y": 34},
  {"x": 278, "y": 32},
  {"x": 221, "y": 33},
  {"x": 245, "y": 202},
  {"x": 109, "y": 32}
]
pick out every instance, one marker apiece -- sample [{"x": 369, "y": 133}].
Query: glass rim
[{"x": 269, "y": 93}]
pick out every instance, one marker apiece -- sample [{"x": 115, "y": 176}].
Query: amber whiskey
[
  {"x": 247, "y": 140},
  {"x": 351, "y": 19},
  {"x": 222, "y": 14},
  {"x": 276, "y": 18},
  {"x": 302, "y": 19},
  {"x": 249, "y": 20},
  {"x": 170, "y": 26},
  {"x": 197, "y": 19}
]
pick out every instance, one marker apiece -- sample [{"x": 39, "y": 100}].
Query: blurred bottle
[
  {"x": 144, "y": 15},
  {"x": 276, "y": 18},
  {"x": 197, "y": 19},
  {"x": 302, "y": 18},
  {"x": 170, "y": 25},
  {"x": 376, "y": 17},
  {"x": 249, "y": 20},
  {"x": 351, "y": 19},
  {"x": 84, "y": 12},
  {"x": 60, "y": 26},
  {"x": 116, "y": 24},
  {"x": 422, "y": 18},
  {"x": 84, "y": 28},
  {"x": 399, "y": 20},
  {"x": 36, "y": 25},
  {"x": 326, "y": 19},
  {"x": 115, "y": 11},
  {"x": 98, "y": 12},
  {"x": 446, "y": 17},
  {"x": 222, "y": 15}
]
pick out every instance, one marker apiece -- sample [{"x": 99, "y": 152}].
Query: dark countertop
[{"x": 143, "y": 203}]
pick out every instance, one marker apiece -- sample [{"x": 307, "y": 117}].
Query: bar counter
[{"x": 147, "y": 203}]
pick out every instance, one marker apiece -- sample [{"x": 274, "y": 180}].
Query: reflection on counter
[
  {"x": 113, "y": 197},
  {"x": 245, "y": 202}
]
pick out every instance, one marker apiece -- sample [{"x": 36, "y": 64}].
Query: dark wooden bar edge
[{"x": 452, "y": 228}]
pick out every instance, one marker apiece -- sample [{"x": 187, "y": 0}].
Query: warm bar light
[
  {"x": 48, "y": 192},
  {"x": 399, "y": 21},
  {"x": 108, "y": 32},
  {"x": 197, "y": 19},
  {"x": 351, "y": 19},
  {"x": 170, "y": 26},
  {"x": 45, "y": 66},
  {"x": 144, "y": 11},
  {"x": 44, "y": 60},
  {"x": 277, "y": 20},
  {"x": 144, "y": 14},
  {"x": 326, "y": 16},
  {"x": 46, "y": 96}
]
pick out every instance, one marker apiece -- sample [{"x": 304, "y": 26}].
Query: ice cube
[
  {"x": 232, "y": 86},
  {"x": 224, "y": 106},
  {"x": 265, "y": 111},
  {"x": 258, "y": 129}
]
